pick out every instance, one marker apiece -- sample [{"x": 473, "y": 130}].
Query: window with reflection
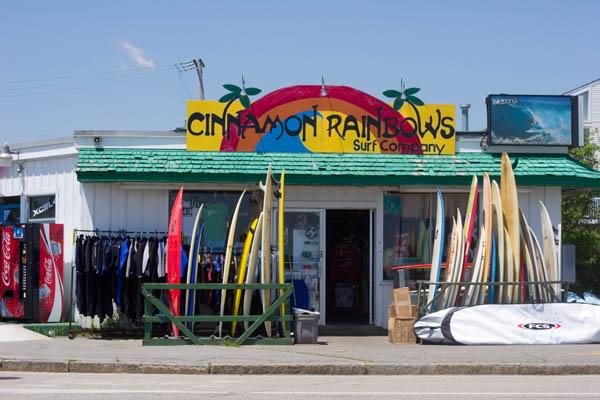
[{"x": 408, "y": 230}]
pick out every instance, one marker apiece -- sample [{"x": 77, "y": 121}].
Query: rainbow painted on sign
[{"x": 301, "y": 119}]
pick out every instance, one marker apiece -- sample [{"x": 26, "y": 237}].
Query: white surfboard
[
  {"x": 265, "y": 264},
  {"x": 197, "y": 270},
  {"x": 538, "y": 254},
  {"x": 251, "y": 272},
  {"x": 438, "y": 251},
  {"x": 228, "y": 256},
  {"x": 549, "y": 247},
  {"x": 192, "y": 258}
]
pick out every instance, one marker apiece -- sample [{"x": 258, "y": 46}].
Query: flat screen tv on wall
[{"x": 532, "y": 120}]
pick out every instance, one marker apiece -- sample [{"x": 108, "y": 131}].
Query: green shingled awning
[{"x": 180, "y": 166}]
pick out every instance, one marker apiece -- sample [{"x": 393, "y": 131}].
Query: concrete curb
[
  {"x": 300, "y": 369},
  {"x": 288, "y": 369}
]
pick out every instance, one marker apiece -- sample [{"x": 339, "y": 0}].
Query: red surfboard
[{"x": 174, "y": 256}]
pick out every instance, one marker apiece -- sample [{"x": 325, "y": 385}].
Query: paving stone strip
[{"x": 74, "y": 366}]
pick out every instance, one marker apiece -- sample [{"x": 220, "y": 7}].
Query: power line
[
  {"x": 62, "y": 89},
  {"x": 85, "y": 81},
  {"x": 90, "y": 74},
  {"x": 65, "y": 83}
]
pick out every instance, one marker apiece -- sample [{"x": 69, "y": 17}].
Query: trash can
[{"x": 306, "y": 326}]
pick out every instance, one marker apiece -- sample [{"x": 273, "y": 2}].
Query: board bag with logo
[{"x": 490, "y": 324}]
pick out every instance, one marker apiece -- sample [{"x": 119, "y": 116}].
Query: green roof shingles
[{"x": 168, "y": 165}]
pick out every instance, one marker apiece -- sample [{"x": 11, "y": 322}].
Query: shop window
[
  {"x": 42, "y": 208},
  {"x": 218, "y": 210},
  {"x": 408, "y": 230},
  {"x": 10, "y": 210}
]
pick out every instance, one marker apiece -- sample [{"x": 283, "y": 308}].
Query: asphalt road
[{"x": 22, "y": 385}]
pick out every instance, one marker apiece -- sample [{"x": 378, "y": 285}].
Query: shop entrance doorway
[{"x": 348, "y": 266}]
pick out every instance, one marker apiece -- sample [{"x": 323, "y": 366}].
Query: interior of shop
[{"x": 347, "y": 250}]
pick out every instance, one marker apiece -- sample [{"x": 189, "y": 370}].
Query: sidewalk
[{"x": 332, "y": 356}]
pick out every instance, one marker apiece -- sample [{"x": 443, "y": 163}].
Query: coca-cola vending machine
[{"x": 31, "y": 284}]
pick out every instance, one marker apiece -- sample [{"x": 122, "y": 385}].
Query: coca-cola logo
[
  {"x": 539, "y": 326},
  {"x": 6, "y": 258},
  {"x": 48, "y": 269}
]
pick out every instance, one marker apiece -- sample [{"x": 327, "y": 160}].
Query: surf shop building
[{"x": 361, "y": 177}]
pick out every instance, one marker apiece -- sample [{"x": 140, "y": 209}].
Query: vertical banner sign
[{"x": 319, "y": 119}]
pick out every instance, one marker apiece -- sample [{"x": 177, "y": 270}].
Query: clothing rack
[
  {"x": 100, "y": 232},
  {"x": 122, "y": 232}
]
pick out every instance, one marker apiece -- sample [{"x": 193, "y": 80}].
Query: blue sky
[{"x": 67, "y": 66}]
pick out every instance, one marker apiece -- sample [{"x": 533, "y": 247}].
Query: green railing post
[
  {"x": 167, "y": 313},
  {"x": 268, "y": 312},
  {"x": 147, "y": 311}
]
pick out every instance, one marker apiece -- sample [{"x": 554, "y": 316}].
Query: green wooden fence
[{"x": 157, "y": 312}]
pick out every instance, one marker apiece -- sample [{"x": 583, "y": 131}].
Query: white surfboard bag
[{"x": 489, "y": 324}]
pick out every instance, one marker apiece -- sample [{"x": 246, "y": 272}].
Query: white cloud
[{"x": 137, "y": 55}]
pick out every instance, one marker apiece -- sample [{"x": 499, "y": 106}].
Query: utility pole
[{"x": 199, "y": 66}]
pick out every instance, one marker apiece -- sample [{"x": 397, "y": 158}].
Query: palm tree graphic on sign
[
  {"x": 404, "y": 96},
  {"x": 239, "y": 93}
]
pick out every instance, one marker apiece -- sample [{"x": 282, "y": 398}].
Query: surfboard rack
[
  {"x": 157, "y": 312},
  {"x": 547, "y": 287}
]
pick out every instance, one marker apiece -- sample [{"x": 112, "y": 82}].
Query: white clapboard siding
[{"x": 594, "y": 98}]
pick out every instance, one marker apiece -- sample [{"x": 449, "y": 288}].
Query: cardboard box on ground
[{"x": 401, "y": 317}]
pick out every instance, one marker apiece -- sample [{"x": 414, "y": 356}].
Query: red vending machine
[{"x": 31, "y": 265}]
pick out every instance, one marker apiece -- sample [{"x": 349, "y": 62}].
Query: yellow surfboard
[
  {"x": 241, "y": 278},
  {"x": 281, "y": 239}
]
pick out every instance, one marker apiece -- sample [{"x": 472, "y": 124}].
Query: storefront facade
[
  {"x": 349, "y": 217},
  {"x": 126, "y": 180}
]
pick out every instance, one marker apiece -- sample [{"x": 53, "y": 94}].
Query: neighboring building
[
  {"x": 590, "y": 96},
  {"x": 590, "y": 103}
]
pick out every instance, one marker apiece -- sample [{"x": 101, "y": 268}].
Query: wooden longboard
[
  {"x": 510, "y": 210},
  {"x": 509, "y": 260},
  {"x": 528, "y": 258},
  {"x": 252, "y": 262},
  {"x": 241, "y": 277},
  {"x": 228, "y": 256},
  {"x": 192, "y": 260},
  {"x": 469, "y": 226},
  {"x": 503, "y": 295},
  {"x": 472, "y": 290},
  {"x": 438, "y": 251},
  {"x": 451, "y": 260},
  {"x": 457, "y": 262},
  {"x": 265, "y": 265}
]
